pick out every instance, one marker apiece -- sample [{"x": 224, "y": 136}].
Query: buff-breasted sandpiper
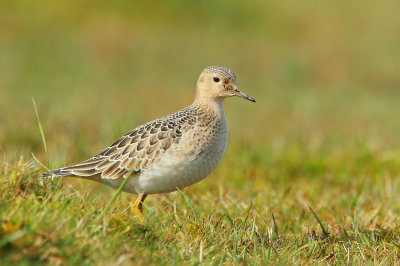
[{"x": 169, "y": 153}]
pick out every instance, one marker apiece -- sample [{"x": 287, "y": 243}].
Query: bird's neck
[{"x": 211, "y": 106}]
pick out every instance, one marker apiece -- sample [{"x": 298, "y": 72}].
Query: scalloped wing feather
[{"x": 137, "y": 150}]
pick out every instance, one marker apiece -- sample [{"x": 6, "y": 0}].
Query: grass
[
  {"x": 311, "y": 173},
  {"x": 55, "y": 222}
]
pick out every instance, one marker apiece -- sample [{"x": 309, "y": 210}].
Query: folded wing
[{"x": 137, "y": 150}]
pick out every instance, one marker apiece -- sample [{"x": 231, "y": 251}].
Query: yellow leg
[{"x": 137, "y": 206}]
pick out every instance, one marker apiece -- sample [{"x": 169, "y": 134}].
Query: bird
[{"x": 169, "y": 153}]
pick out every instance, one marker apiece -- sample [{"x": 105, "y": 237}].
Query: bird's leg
[{"x": 137, "y": 206}]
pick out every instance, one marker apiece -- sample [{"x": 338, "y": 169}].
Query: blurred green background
[{"x": 324, "y": 74}]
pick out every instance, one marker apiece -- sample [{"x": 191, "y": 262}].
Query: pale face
[{"x": 216, "y": 85}]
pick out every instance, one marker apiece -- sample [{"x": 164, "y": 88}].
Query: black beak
[{"x": 243, "y": 95}]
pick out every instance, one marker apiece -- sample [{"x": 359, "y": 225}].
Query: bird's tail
[
  {"x": 56, "y": 173},
  {"x": 85, "y": 169}
]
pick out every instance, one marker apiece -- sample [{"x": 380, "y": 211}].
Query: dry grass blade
[{"x": 39, "y": 162}]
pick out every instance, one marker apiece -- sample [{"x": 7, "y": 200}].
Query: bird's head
[{"x": 216, "y": 83}]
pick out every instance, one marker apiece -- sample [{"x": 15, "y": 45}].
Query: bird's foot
[
  {"x": 137, "y": 207},
  {"x": 138, "y": 212}
]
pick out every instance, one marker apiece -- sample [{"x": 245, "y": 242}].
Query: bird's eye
[{"x": 216, "y": 79}]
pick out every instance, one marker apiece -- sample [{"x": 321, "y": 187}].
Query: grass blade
[
  {"x": 41, "y": 132},
  {"x": 196, "y": 216},
  {"x": 396, "y": 245},
  {"x": 247, "y": 214},
  {"x": 275, "y": 225},
  {"x": 325, "y": 233},
  {"x": 114, "y": 198},
  {"x": 11, "y": 237}
]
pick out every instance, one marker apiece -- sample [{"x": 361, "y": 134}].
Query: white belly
[{"x": 166, "y": 179}]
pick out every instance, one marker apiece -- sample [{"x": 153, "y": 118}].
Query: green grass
[
  {"x": 312, "y": 170},
  {"x": 253, "y": 221}
]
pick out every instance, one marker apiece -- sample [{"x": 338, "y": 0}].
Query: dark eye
[{"x": 216, "y": 79}]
